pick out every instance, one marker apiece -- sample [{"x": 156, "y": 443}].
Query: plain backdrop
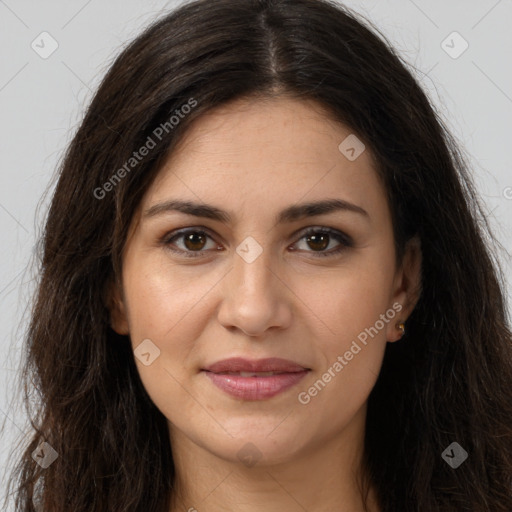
[{"x": 42, "y": 101}]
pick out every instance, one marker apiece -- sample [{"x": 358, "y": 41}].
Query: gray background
[{"x": 43, "y": 100}]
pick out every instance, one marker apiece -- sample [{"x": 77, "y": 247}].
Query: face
[{"x": 254, "y": 274}]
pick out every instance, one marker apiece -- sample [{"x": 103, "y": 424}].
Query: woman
[{"x": 265, "y": 284}]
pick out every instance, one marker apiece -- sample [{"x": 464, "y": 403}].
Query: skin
[{"x": 253, "y": 159}]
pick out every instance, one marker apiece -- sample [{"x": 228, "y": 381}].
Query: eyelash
[{"x": 345, "y": 241}]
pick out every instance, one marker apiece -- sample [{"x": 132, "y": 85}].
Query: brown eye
[
  {"x": 194, "y": 241},
  {"x": 188, "y": 242},
  {"x": 318, "y": 242}
]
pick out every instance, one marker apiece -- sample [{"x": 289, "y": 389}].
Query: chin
[{"x": 262, "y": 441}]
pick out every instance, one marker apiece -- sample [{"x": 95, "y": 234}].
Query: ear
[
  {"x": 407, "y": 287},
  {"x": 117, "y": 308}
]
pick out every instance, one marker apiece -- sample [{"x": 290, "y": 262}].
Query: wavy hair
[{"x": 449, "y": 379}]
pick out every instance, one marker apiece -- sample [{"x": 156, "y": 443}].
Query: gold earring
[{"x": 401, "y": 326}]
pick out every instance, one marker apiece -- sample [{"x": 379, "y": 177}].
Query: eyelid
[
  {"x": 344, "y": 240},
  {"x": 180, "y": 232}
]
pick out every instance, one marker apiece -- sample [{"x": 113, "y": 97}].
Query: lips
[
  {"x": 255, "y": 380},
  {"x": 239, "y": 364}
]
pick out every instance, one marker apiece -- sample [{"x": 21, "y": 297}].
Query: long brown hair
[{"x": 448, "y": 380}]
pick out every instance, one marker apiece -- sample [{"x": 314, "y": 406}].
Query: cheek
[
  {"x": 351, "y": 351},
  {"x": 350, "y": 299},
  {"x": 167, "y": 308},
  {"x": 353, "y": 313},
  {"x": 334, "y": 396},
  {"x": 163, "y": 300}
]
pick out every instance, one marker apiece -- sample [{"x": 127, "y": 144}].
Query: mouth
[
  {"x": 255, "y": 380},
  {"x": 251, "y": 374}
]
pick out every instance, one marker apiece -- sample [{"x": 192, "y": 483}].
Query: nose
[{"x": 255, "y": 297}]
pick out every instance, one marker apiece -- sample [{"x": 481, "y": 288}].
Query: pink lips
[{"x": 233, "y": 377}]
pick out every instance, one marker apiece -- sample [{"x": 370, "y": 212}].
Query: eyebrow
[{"x": 289, "y": 214}]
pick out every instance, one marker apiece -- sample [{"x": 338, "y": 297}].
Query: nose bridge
[
  {"x": 253, "y": 299},
  {"x": 253, "y": 267}
]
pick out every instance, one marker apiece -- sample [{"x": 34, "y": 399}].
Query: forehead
[{"x": 271, "y": 152}]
